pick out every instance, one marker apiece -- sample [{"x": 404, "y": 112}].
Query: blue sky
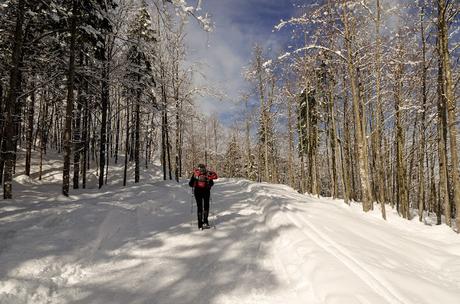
[{"x": 239, "y": 24}]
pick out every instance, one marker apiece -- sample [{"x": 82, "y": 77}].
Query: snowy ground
[{"x": 271, "y": 245}]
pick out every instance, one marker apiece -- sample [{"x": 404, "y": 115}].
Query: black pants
[{"x": 202, "y": 196}]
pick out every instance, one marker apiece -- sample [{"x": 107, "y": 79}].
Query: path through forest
[{"x": 271, "y": 245}]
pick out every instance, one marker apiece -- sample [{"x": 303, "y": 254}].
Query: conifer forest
[{"x": 361, "y": 102}]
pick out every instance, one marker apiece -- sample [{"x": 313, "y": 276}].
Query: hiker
[{"x": 202, "y": 180}]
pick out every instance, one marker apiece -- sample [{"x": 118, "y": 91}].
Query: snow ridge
[{"x": 373, "y": 280}]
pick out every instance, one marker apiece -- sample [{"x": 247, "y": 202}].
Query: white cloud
[
  {"x": 227, "y": 50},
  {"x": 222, "y": 57}
]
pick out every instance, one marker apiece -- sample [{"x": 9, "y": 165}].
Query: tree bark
[
  {"x": 117, "y": 135},
  {"x": 379, "y": 114},
  {"x": 333, "y": 140},
  {"x": 70, "y": 100},
  {"x": 125, "y": 169},
  {"x": 104, "y": 108},
  {"x": 30, "y": 129},
  {"x": 312, "y": 142},
  {"x": 168, "y": 145},
  {"x": 77, "y": 133},
  {"x": 401, "y": 183},
  {"x": 178, "y": 149},
  {"x": 137, "y": 138},
  {"x": 360, "y": 128},
  {"x": 422, "y": 139},
  {"x": 43, "y": 137},
  {"x": 10, "y": 105},
  {"x": 85, "y": 135},
  {"x": 163, "y": 127},
  {"x": 450, "y": 103},
  {"x": 347, "y": 161},
  {"x": 442, "y": 144},
  {"x": 290, "y": 121}
]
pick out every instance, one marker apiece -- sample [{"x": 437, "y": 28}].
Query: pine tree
[
  {"x": 233, "y": 166},
  {"x": 140, "y": 75}
]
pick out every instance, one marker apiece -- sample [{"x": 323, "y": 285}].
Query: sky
[{"x": 223, "y": 54}]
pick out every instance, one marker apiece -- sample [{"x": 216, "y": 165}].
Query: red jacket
[{"x": 202, "y": 180}]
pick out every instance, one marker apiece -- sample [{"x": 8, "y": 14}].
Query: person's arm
[
  {"x": 211, "y": 183},
  {"x": 191, "y": 183},
  {"x": 212, "y": 175}
]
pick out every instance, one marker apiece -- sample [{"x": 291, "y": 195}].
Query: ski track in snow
[
  {"x": 140, "y": 244},
  {"x": 374, "y": 282},
  {"x": 324, "y": 239}
]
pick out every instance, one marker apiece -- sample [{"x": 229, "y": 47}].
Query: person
[{"x": 202, "y": 181}]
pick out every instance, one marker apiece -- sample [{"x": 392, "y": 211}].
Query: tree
[
  {"x": 9, "y": 133},
  {"x": 450, "y": 103},
  {"x": 233, "y": 166},
  {"x": 140, "y": 75}
]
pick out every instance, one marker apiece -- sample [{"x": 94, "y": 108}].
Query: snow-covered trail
[{"x": 271, "y": 245}]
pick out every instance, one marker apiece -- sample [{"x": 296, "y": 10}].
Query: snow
[
  {"x": 183, "y": 10},
  {"x": 138, "y": 244},
  {"x": 287, "y": 54}
]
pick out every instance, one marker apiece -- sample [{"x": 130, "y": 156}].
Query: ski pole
[
  {"x": 213, "y": 215},
  {"x": 191, "y": 209}
]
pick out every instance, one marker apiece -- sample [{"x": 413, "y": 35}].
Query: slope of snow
[{"x": 138, "y": 244}]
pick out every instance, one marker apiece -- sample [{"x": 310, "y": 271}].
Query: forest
[{"x": 362, "y": 104}]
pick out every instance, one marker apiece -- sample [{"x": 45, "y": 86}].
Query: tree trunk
[
  {"x": 300, "y": 130},
  {"x": 313, "y": 142},
  {"x": 10, "y": 105},
  {"x": 248, "y": 149},
  {"x": 30, "y": 128},
  {"x": 70, "y": 101},
  {"x": 450, "y": 103},
  {"x": 168, "y": 145},
  {"x": 360, "y": 128},
  {"x": 333, "y": 141},
  {"x": 43, "y": 139},
  {"x": 117, "y": 135},
  {"x": 435, "y": 194},
  {"x": 442, "y": 142},
  {"x": 125, "y": 169},
  {"x": 104, "y": 108},
  {"x": 2, "y": 138},
  {"x": 263, "y": 111},
  {"x": 290, "y": 121},
  {"x": 147, "y": 143},
  {"x": 379, "y": 116},
  {"x": 109, "y": 149},
  {"x": 181, "y": 144},
  {"x": 137, "y": 138},
  {"x": 77, "y": 132},
  {"x": 178, "y": 149},
  {"x": 163, "y": 130},
  {"x": 214, "y": 129},
  {"x": 401, "y": 183},
  {"x": 85, "y": 140},
  {"x": 193, "y": 144},
  {"x": 422, "y": 147},
  {"x": 347, "y": 161}
]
